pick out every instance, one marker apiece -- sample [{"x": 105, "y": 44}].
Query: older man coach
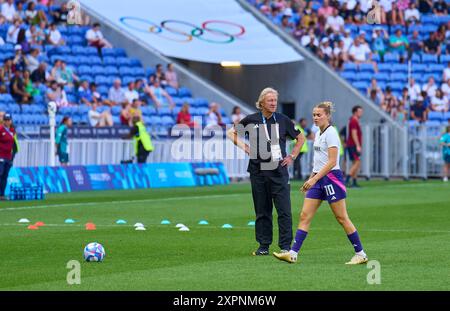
[{"x": 267, "y": 132}]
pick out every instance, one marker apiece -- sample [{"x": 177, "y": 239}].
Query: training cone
[
  {"x": 183, "y": 229},
  {"x": 33, "y": 227},
  {"x": 23, "y": 221},
  {"x": 90, "y": 226},
  {"x": 165, "y": 222},
  {"x": 251, "y": 223},
  {"x": 203, "y": 222},
  {"x": 121, "y": 222},
  {"x": 180, "y": 226},
  {"x": 140, "y": 228},
  {"x": 69, "y": 221},
  {"x": 227, "y": 226},
  {"x": 39, "y": 224},
  {"x": 138, "y": 224}
]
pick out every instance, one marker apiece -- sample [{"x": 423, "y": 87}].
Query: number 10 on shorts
[{"x": 329, "y": 190}]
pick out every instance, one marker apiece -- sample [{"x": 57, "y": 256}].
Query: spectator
[
  {"x": 358, "y": 15},
  {"x": 160, "y": 75},
  {"x": 360, "y": 53},
  {"x": 184, "y": 117},
  {"x": 60, "y": 14},
  {"x": 348, "y": 40},
  {"x": 171, "y": 77},
  {"x": 389, "y": 103},
  {"x": 135, "y": 110},
  {"x": 65, "y": 75},
  {"x": 425, "y": 6},
  {"x": 131, "y": 94},
  {"x": 413, "y": 90},
  {"x": 95, "y": 37},
  {"x": 340, "y": 56},
  {"x": 379, "y": 40},
  {"x": 213, "y": 116},
  {"x": 374, "y": 87},
  {"x": 41, "y": 32},
  {"x": 20, "y": 12},
  {"x": 445, "y": 88},
  {"x": 19, "y": 59},
  {"x": 30, "y": 89},
  {"x": 97, "y": 119},
  {"x": 85, "y": 94},
  {"x": 404, "y": 99},
  {"x": 40, "y": 75},
  {"x": 13, "y": 31},
  {"x": 326, "y": 10},
  {"x": 430, "y": 88},
  {"x": 388, "y": 15},
  {"x": 116, "y": 95},
  {"x": 310, "y": 41},
  {"x": 17, "y": 88},
  {"x": 9, "y": 10},
  {"x": 398, "y": 8},
  {"x": 54, "y": 36},
  {"x": 335, "y": 22},
  {"x": 415, "y": 43},
  {"x": 23, "y": 42},
  {"x": 237, "y": 115},
  {"x": 286, "y": 25},
  {"x": 441, "y": 34},
  {"x": 2, "y": 82},
  {"x": 440, "y": 8},
  {"x": 376, "y": 97},
  {"x": 426, "y": 99},
  {"x": 96, "y": 96},
  {"x": 418, "y": 111},
  {"x": 125, "y": 118},
  {"x": 398, "y": 42},
  {"x": 326, "y": 52},
  {"x": 140, "y": 88},
  {"x": 432, "y": 45},
  {"x": 33, "y": 16},
  {"x": 439, "y": 102},
  {"x": 400, "y": 115},
  {"x": 32, "y": 60},
  {"x": 8, "y": 71},
  {"x": 32, "y": 36},
  {"x": 412, "y": 14},
  {"x": 57, "y": 94},
  {"x": 159, "y": 96}
]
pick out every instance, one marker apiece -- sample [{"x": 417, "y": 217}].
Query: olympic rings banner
[{"x": 208, "y": 31}]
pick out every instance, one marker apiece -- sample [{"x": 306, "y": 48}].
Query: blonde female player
[{"x": 325, "y": 183}]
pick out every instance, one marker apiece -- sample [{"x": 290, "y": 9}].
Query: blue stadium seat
[
  {"x": 435, "y": 116},
  {"x": 111, "y": 70},
  {"x": 402, "y": 68},
  {"x": 171, "y": 91},
  {"x": 361, "y": 85},
  {"x": 364, "y": 76},
  {"x": 109, "y": 61},
  {"x": 164, "y": 111},
  {"x": 381, "y": 76},
  {"x": 416, "y": 68},
  {"x": 436, "y": 68},
  {"x": 13, "y": 108},
  {"x": 135, "y": 62},
  {"x": 88, "y": 78},
  {"x": 348, "y": 66},
  {"x": 429, "y": 58},
  {"x": 98, "y": 70},
  {"x": 391, "y": 58},
  {"x": 127, "y": 79},
  {"x": 94, "y": 60},
  {"x": 116, "y": 52},
  {"x": 376, "y": 57},
  {"x": 101, "y": 79},
  {"x": 123, "y": 61},
  {"x": 138, "y": 71},
  {"x": 384, "y": 67},
  {"x": 437, "y": 77},
  {"x": 116, "y": 119},
  {"x": 102, "y": 89},
  {"x": 445, "y": 58},
  {"x": 167, "y": 121},
  {"x": 447, "y": 116},
  {"x": 148, "y": 110},
  {"x": 115, "y": 110},
  {"x": 150, "y": 71},
  {"x": 400, "y": 76},
  {"x": 125, "y": 70},
  {"x": 415, "y": 58},
  {"x": 349, "y": 75},
  {"x": 418, "y": 77},
  {"x": 366, "y": 67},
  {"x": 396, "y": 86},
  {"x": 154, "y": 120},
  {"x": 184, "y": 92},
  {"x": 381, "y": 84}
]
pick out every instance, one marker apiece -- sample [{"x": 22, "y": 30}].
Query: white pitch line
[
  {"x": 149, "y": 225},
  {"x": 121, "y": 202}
]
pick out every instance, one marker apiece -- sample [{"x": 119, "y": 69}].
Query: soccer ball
[{"x": 94, "y": 252}]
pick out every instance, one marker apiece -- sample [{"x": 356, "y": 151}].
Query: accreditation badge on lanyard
[{"x": 274, "y": 146}]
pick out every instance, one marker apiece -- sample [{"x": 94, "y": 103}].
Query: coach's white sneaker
[{"x": 357, "y": 260}]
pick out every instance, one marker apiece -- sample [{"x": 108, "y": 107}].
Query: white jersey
[{"x": 328, "y": 139}]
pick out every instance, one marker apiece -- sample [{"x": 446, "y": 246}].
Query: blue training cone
[
  {"x": 121, "y": 222},
  {"x": 165, "y": 222},
  {"x": 69, "y": 221},
  {"x": 203, "y": 222},
  {"x": 251, "y": 223},
  {"x": 227, "y": 226}
]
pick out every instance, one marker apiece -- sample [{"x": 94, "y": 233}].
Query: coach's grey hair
[{"x": 263, "y": 95}]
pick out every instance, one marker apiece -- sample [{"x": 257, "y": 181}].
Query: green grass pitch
[{"x": 403, "y": 225}]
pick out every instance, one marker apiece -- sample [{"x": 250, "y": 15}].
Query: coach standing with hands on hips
[
  {"x": 6, "y": 152},
  {"x": 267, "y": 132}
]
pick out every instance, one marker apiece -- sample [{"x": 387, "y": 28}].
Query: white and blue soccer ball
[{"x": 94, "y": 252}]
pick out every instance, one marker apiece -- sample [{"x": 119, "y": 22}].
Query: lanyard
[
  {"x": 8, "y": 131},
  {"x": 276, "y": 126}
]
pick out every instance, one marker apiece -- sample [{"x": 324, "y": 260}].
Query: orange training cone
[
  {"x": 33, "y": 227},
  {"x": 39, "y": 224}
]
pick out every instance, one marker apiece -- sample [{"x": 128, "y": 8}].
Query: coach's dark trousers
[
  {"x": 5, "y": 166},
  {"x": 267, "y": 190}
]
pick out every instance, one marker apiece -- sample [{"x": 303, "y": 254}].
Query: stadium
[{"x": 115, "y": 130}]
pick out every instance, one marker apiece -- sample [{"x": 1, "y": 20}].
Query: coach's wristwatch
[{"x": 292, "y": 156}]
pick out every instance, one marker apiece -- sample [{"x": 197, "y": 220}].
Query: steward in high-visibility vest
[
  {"x": 142, "y": 141},
  {"x": 305, "y": 147},
  {"x": 341, "y": 150},
  {"x": 15, "y": 147}
]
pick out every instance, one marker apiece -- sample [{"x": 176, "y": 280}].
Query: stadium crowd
[
  {"x": 35, "y": 43},
  {"x": 374, "y": 58}
]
